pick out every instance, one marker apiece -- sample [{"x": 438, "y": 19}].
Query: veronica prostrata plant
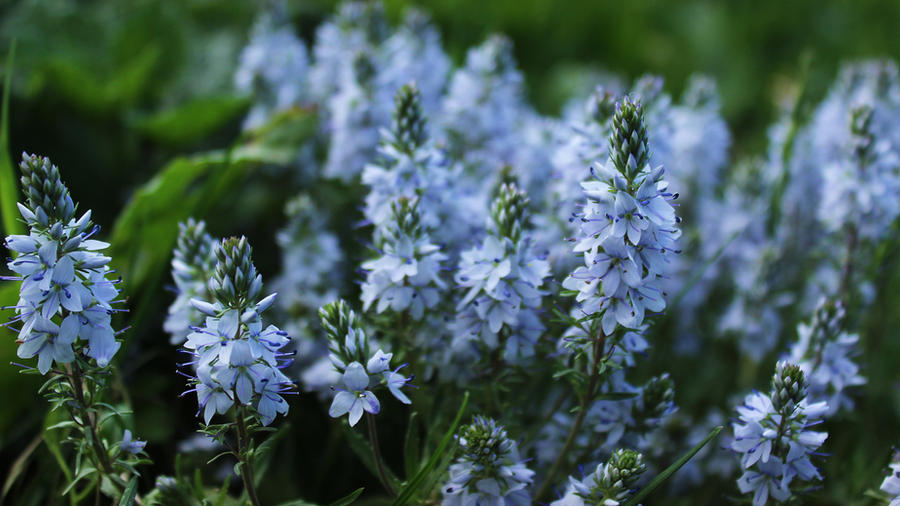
[{"x": 64, "y": 318}]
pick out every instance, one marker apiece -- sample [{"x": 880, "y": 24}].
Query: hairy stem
[
  {"x": 376, "y": 451},
  {"x": 246, "y": 465}
]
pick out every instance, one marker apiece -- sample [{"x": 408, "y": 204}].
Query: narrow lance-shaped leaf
[{"x": 669, "y": 471}]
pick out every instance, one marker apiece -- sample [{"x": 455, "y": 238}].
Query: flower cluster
[
  {"x": 65, "y": 296},
  {"x": 503, "y": 278},
  {"x": 237, "y": 361},
  {"x": 628, "y": 229},
  {"x": 350, "y": 349},
  {"x": 609, "y": 485},
  {"x": 409, "y": 166},
  {"x": 358, "y": 64},
  {"x": 773, "y": 437},
  {"x": 273, "y": 67},
  {"x": 311, "y": 259},
  {"x": 488, "y": 469},
  {"x": 193, "y": 262},
  {"x": 406, "y": 276},
  {"x": 824, "y": 352}
]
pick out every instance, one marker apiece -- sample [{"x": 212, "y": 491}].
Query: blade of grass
[
  {"x": 669, "y": 471},
  {"x": 407, "y": 493},
  {"x": 8, "y": 193}
]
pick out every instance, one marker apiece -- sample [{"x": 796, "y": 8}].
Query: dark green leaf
[
  {"x": 129, "y": 493},
  {"x": 190, "y": 122},
  {"x": 615, "y": 396},
  {"x": 348, "y": 499},
  {"x": 412, "y": 446}
]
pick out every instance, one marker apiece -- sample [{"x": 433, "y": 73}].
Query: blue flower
[
  {"x": 356, "y": 398},
  {"x": 129, "y": 445}
]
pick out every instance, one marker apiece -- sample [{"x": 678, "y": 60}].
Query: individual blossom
[
  {"x": 773, "y": 437},
  {"x": 610, "y": 484},
  {"x": 238, "y": 361},
  {"x": 407, "y": 274},
  {"x": 628, "y": 229},
  {"x": 131, "y": 445},
  {"x": 488, "y": 469},
  {"x": 273, "y": 67},
  {"x": 192, "y": 265},
  {"x": 824, "y": 351},
  {"x": 503, "y": 279},
  {"x": 361, "y": 368},
  {"x": 65, "y": 297}
]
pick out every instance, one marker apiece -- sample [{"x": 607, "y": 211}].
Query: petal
[
  {"x": 341, "y": 403},
  {"x": 355, "y": 377},
  {"x": 370, "y": 402}
]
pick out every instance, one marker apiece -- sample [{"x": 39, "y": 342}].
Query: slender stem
[
  {"x": 246, "y": 466},
  {"x": 847, "y": 268},
  {"x": 376, "y": 451},
  {"x": 598, "y": 350},
  {"x": 102, "y": 455}
]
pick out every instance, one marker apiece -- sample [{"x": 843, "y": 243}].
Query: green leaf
[
  {"x": 9, "y": 195},
  {"x": 129, "y": 493},
  {"x": 348, "y": 499},
  {"x": 412, "y": 487},
  {"x": 83, "y": 473},
  {"x": 192, "y": 121},
  {"x": 412, "y": 446},
  {"x": 669, "y": 471}
]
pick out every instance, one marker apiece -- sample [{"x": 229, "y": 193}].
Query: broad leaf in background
[{"x": 192, "y": 121}]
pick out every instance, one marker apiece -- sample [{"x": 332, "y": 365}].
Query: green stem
[
  {"x": 598, "y": 351},
  {"x": 244, "y": 442},
  {"x": 376, "y": 451},
  {"x": 100, "y": 450}
]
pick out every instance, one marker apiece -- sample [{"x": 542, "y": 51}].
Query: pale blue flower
[
  {"x": 237, "y": 359},
  {"x": 773, "y": 437},
  {"x": 273, "y": 67},
  {"x": 356, "y": 398},
  {"x": 64, "y": 296}
]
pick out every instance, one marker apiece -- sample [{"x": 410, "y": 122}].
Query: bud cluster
[
  {"x": 362, "y": 368},
  {"x": 193, "y": 264},
  {"x": 488, "y": 469},
  {"x": 610, "y": 484}
]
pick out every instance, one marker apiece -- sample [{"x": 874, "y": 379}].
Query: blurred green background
[{"x": 113, "y": 91}]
